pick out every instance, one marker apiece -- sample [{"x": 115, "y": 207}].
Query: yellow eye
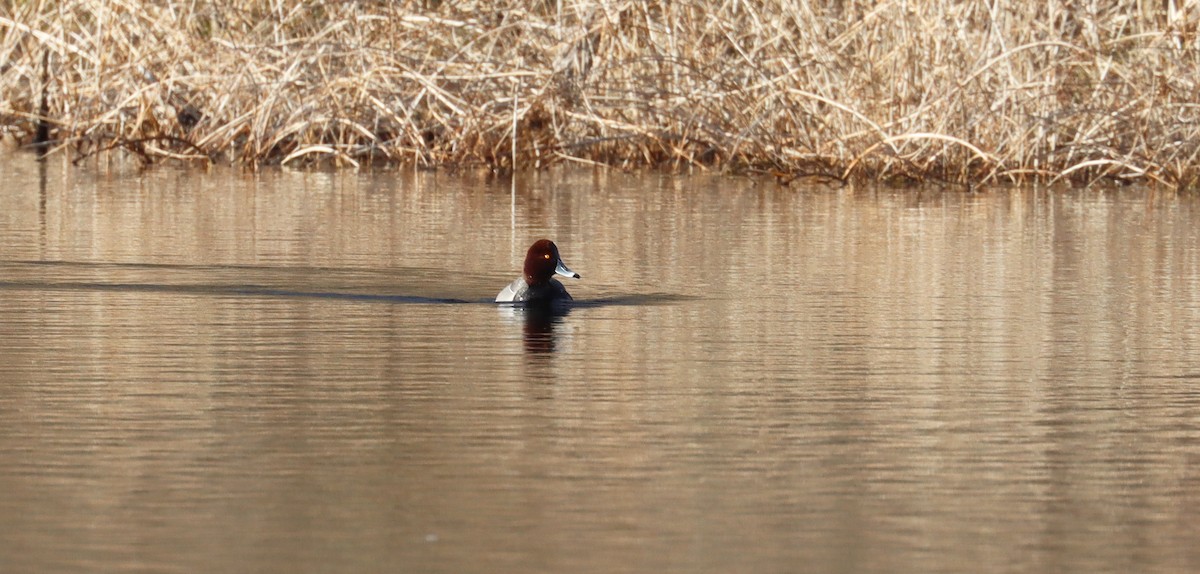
[{"x": 546, "y": 256}]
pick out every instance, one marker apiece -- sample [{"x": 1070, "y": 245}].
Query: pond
[{"x": 283, "y": 371}]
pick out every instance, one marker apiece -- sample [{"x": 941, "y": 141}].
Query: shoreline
[{"x": 943, "y": 92}]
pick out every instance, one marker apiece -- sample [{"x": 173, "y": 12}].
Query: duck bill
[{"x": 561, "y": 269}]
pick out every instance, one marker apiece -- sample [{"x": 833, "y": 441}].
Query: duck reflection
[{"x": 541, "y": 325}]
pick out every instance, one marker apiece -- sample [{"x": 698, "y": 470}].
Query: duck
[{"x": 537, "y": 285}]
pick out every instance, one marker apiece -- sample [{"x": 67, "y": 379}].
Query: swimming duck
[{"x": 537, "y": 285}]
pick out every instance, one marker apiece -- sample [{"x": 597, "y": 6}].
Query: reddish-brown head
[{"x": 542, "y": 262}]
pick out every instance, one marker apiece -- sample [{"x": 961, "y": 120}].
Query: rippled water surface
[{"x": 302, "y": 372}]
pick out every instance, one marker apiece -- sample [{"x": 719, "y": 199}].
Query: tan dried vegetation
[{"x": 974, "y": 91}]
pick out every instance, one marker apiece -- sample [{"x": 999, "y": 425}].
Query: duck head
[{"x": 543, "y": 262}]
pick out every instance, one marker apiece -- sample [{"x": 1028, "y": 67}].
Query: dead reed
[{"x": 973, "y": 91}]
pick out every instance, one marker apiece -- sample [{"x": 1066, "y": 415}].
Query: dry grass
[{"x": 954, "y": 91}]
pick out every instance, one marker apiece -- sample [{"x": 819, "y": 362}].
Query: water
[{"x": 301, "y": 372}]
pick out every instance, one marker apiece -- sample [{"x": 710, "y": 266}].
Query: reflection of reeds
[{"x": 958, "y": 91}]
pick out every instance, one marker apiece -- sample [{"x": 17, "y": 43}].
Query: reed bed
[{"x": 969, "y": 92}]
